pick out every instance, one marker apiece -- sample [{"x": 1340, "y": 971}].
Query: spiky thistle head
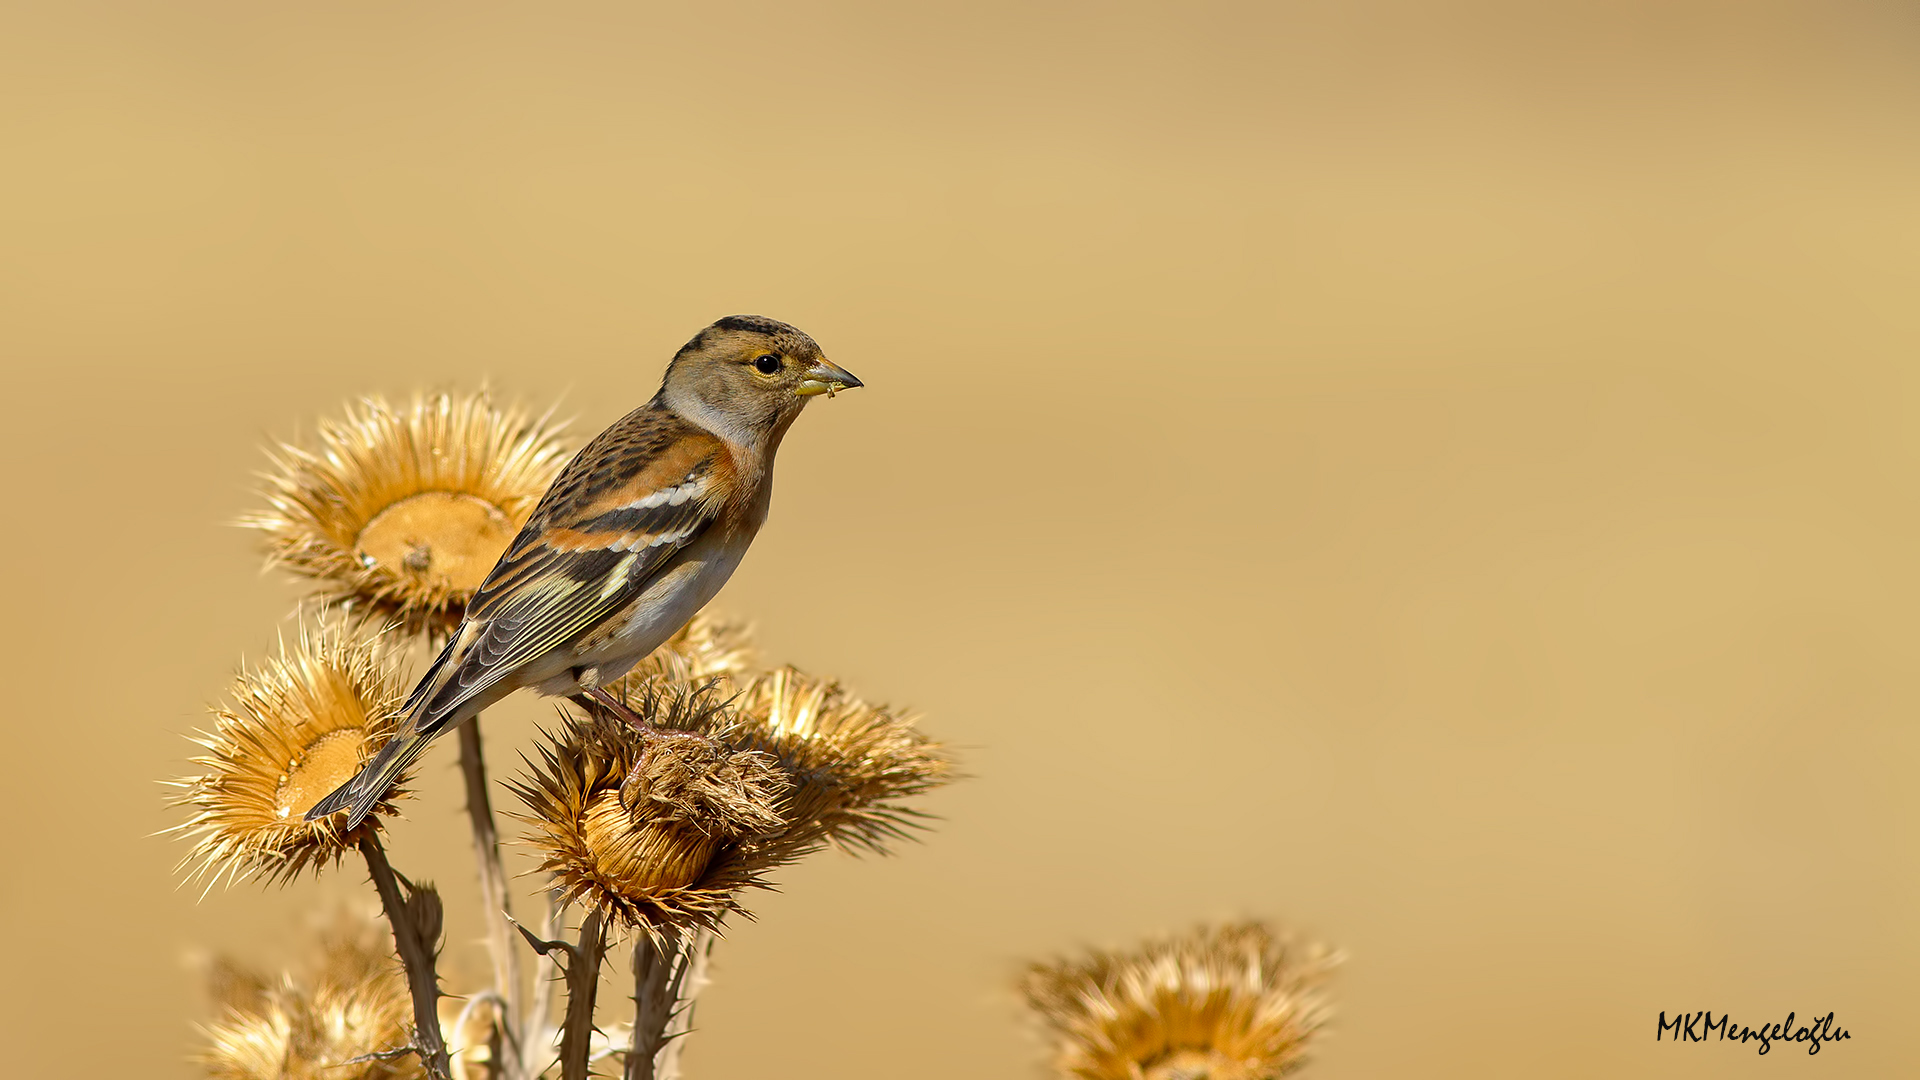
[
  {"x": 857, "y": 762},
  {"x": 662, "y": 831},
  {"x": 650, "y": 829},
  {"x": 1235, "y": 1002},
  {"x": 297, "y": 725},
  {"x": 401, "y": 512}
]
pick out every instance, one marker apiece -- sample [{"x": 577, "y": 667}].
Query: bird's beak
[{"x": 826, "y": 378}]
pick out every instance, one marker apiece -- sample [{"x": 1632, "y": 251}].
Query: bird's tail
[
  {"x": 370, "y": 784},
  {"x": 423, "y": 721}
]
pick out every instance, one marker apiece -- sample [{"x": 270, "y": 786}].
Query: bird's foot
[{"x": 634, "y": 788}]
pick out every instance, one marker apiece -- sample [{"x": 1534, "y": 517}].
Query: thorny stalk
[
  {"x": 659, "y": 964},
  {"x": 493, "y": 893},
  {"x": 583, "y": 984},
  {"x": 696, "y": 953},
  {"x": 415, "y": 917}
]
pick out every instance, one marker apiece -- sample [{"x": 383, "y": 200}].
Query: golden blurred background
[{"x": 1437, "y": 475}]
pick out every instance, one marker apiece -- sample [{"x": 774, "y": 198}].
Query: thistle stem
[
  {"x": 658, "y": 964},
  {"x": 583, "y": 983},
  {"x": 494, "y": 908},
  {"x": 697, "y": 954},
  {"x": 415, "y": 919}
]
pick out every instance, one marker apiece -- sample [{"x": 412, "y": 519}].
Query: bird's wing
[{"x": 645, "y": 488}]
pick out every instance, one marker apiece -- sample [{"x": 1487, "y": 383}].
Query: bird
[{"x": 635, "y": 535}]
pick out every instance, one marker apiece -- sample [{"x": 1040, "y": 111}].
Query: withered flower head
[
  {"x": 855, "y": 761},
  {"x": 298, "y": 726},
  {"x": 352, "y": 1002},
  {"x": 663, "y": 831},
  {"x": 402, "y": 512},
  {"x": 646, "y": 827},
  {"x": 1231, "y": 1003}
]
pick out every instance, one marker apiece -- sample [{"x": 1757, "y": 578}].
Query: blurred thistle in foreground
[
  {"x": 299, "y": 724},
  {"x": 402, "y": 512},
  {"x": 1229, "y": 1003},
  {"x": 350, "y": 1003}
]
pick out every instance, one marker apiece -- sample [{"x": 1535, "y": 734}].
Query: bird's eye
[{"x": 767, "y": 365}]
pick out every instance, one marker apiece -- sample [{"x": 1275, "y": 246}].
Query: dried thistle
[
  {"x": 351, "y": 1003},
  {"x": 402, "y": 512},
  {"x": 298, "y": 726},
  {"x": 651, "y": 829},
  {"x": 1228, "y": 1003},
  {"x": 855, "y": 762},
  {"x": 663, "y": 831}
]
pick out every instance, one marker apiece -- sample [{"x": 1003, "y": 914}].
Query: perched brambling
[{"x": 638, "y": 532}]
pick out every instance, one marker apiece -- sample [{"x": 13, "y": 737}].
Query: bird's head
[{"x": 747, "y": 377}]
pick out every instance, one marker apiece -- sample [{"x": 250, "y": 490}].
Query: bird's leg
[
  {"x": 634, "y": 788},
  {"x": 619, "y": 709},
  {"x": 635, "y": 784}
]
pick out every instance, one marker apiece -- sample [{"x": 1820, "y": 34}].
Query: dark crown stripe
[{"x": 758, "y": 324}]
